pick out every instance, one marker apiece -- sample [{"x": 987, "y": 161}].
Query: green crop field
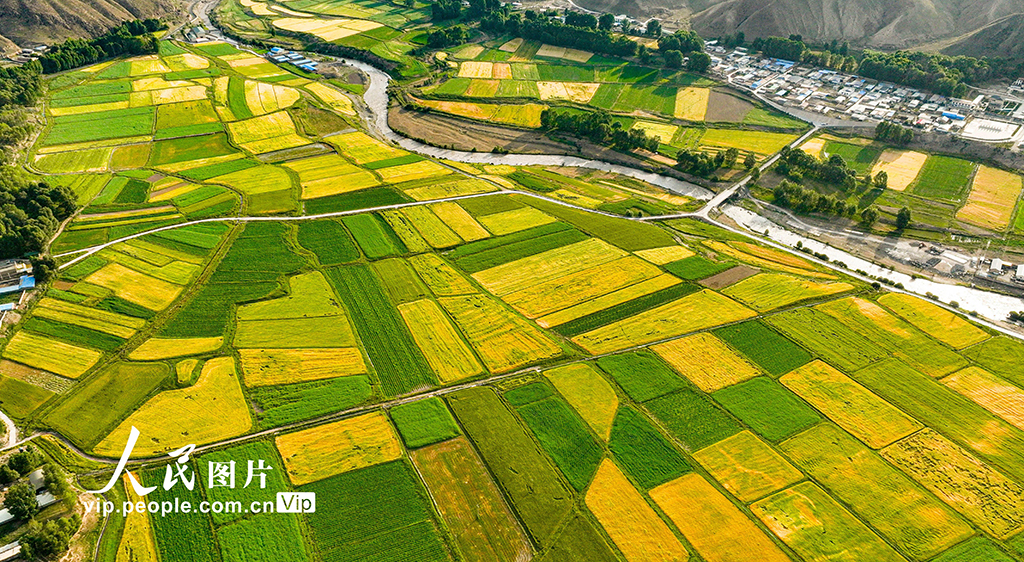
[
  {"x": 860, "y": 158},
  {"x": 424, "y": 422},
  {"x": 280, "y": 405},
  {"x": 644, "y": 453},
  {"x": 564, "y": 436},
  {"x": 522, "y": 470},
  {"x": 767, "y": 407},
  {"x": 692, "y": 419},
  {"x": 641, "y": 375},
  {"x": 945, "y": 178},
  {"x": 765, "y": 347}
]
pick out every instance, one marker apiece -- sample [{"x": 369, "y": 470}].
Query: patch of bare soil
[
  {"x": 729, "y": 277},
  {"x": 726, "y": 108},
  {"x": 461, "y": 134}
]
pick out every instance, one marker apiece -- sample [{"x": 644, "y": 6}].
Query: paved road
[{"x": 11, "y": 432}]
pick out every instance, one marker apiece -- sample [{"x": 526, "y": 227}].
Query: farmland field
[
  {"x": 994, "y": 194},
  {"x": 324, "y": 451},
  {"x": 945, "y": 178},
  {"x": 747, "y": 467},
  {"x": 706, "y": 361}
]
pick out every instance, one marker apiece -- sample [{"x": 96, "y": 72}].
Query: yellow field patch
[
  {"x": 331, "y": 97},
  {"x": 186, "y": 61},
  {"x": 982, "y": 495},
  {"x": 503, "y": 340},
  {"x": 577, "y": 55},
  {"x": 589, "y": 393},
  {"x": 747, "y": 467},
  {"x": 363, "y": 149},
  {"x": 266, "y": 133},
  {"x": 692, "y": 103},
  {"x": 476, "y": 69},
  {"x": 92, "y": 108},
  {"x": 993, "y": 198},
  {"x": 258, "y": 8},
  {"x": 501, "y": 71},
  {"x": 580, "y": 286},
  {"x": 155, "y": 349},
  {"x": 819, "y": 529},
  {"x": 328, "y": 30},
  {"x": 662, "y": 131},
  {"x": 50, "y": 355},
  {"x": 443, "y": 279},
  {"x": 327, "y": 450},
  {"x": 86, "y": 317},
  {"x": 414, "y": 171},
  {"x": 851, "y": 406},
  {"x": 148, "y": 65},
  {"x": 211, "y": 410},
  {"x": 768, "y": 291},
  {"x": 760, "y": 257},
  {"x": 460, "y": 221},
  {"x": 135, "y": 287},
  {"x": 523, "y": 115},
  {"x": 551, "y": 51},
  {"x": 329, "y": 174},
  {"x": 138, "y": 543},
  {"x": 600, "y": 303},
  {"x": 481, "y": 88},
  {"x": 667, "y": 254},
  {"x": 902, "y": 166},
  {"x": 632, "y": 525},
  {"x": 263, "y": 98},
  {"x": 158, "y": 83},
  {"x": 439, "y": 341},
  {"x": 937, "y": 322},
  {"x": 536, "y": 269},
  {"x": 706, "y": 361},
  {"x": 515, "y": 220},
  {"x": 511, "y": 46},
  {"x": 815, "y": 146},
  {"x": 690, "y": 313},
  {"x": 266, "y": 367},
  {"x": 990, "y": 392},
  {"x": 716, "y": 528},
  {"x": 579, "y": 92}
]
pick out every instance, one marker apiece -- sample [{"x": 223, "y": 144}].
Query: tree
[
  {"x": 653, "y": 28},
  {"x": 576, "y": 19},
  {"x": 698, "y": 62},
  {"x": 445, "y": 10},
  {"x": 23, "y": 462},
  {"x": 673, "y": 59},
  {"x": 7, "y": 475},
  {"x": 882, "y": 180},
  {"x": 644, "y": 54},
  {"x": 51, "y": 539},
  {"x": 730, "y": 157},
  {"x": 750, "y": 161},
  {"x": 21, "y": 501},
  {"x": 903, "y": 218},
  {"x": 606, "y": 22},
  {"x": 55, "y": 480},
  {"x": 869, "y": 216}
]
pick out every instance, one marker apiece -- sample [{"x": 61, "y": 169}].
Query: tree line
[
  {"x": 20, "y": 88},
  {"x": 130, "y": 38},
  {"x": 599, "y": 128},
  {"x": 30, "y": 212}
]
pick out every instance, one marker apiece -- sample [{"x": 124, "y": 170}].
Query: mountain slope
[
  {"x": 1004, "y": 38},
  {"x": 47, "y": 21}
]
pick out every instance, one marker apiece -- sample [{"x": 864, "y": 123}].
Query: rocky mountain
[
  {"x": 46, "y": 21},
  {"x": 883, "y": 24}
]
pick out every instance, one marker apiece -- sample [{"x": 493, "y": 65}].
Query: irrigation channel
[{"x": 993, "y": 306}]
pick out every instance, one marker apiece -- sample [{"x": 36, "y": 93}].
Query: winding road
[{"x": 10, "y": 433}]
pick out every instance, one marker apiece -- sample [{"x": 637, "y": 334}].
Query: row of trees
[
  {"x": 893, "y": 133},
  {"x": 20, "y": 87},
  {"x": 798, "y": 164},
  {"x": 29, "y": 212},
  {"x": 554, "y": 32},
  {"x": 700, "y": 163},
  {"x": 130, "y": 38},
  {"x": 598, "y": 127}
]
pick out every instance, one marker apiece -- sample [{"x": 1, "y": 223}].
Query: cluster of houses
[
  {"x": 281, "y": 56},
  {"x": 846, "y": 96},
  {"x": 25, "y": 55},
  {"x": 43, "y": 498},
  {"x": 15, "y": 277}
]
